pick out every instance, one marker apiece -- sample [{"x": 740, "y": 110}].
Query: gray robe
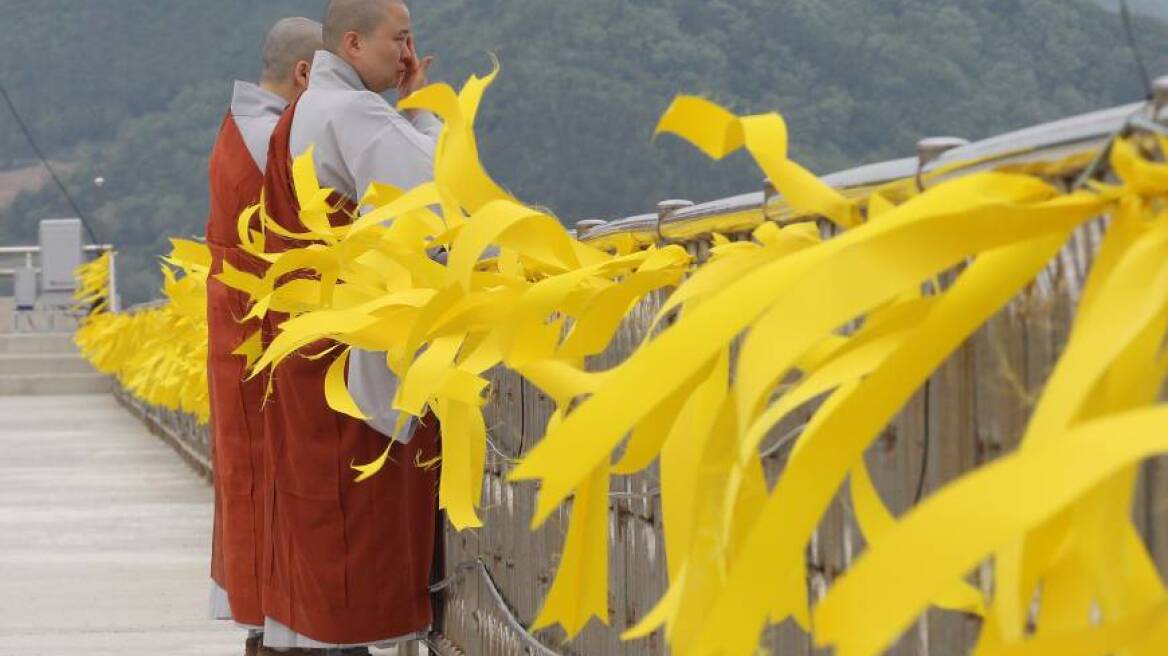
[
  {"x": 359, "y": 138},
  {"x": 255, "y": 111}
]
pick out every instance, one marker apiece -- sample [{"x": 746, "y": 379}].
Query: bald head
[
  {"x": 290, "y": 42},
  {"x": 360, "y": 16}
]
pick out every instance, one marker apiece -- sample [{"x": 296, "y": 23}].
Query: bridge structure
[
  {"x": 105, "y": 511},
  {"x": 104, "y": 533}
]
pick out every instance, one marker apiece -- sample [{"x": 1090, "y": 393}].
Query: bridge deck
[{"x": 104, "y": 536}]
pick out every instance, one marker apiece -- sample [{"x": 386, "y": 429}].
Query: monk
[
  {"x": 349, "y": 562},
  {"x": 236, "y": 177}
]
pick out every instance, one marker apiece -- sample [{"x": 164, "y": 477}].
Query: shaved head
[
  {"x": 289, "y": 42},
  {"x": 360, "y": 16}
]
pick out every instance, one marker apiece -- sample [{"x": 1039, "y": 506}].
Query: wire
[
  {"x": 45, "y": 162},
  {"x": 531, "y": 645},
  {"x": 924, "y": 471},
  {"x": 783, "y": 441},
  {"x": 924, "y": 453},
  {"x": 1130, "y": 34}
]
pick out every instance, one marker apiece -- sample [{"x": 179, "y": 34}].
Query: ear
[
  {"x": 302, "y": 70},
  {"x": 351, "y": 42}
]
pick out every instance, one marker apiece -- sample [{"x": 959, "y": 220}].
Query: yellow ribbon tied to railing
[
  {"x": 158, "y": 353},
  {"x": 742, "y": 339}
]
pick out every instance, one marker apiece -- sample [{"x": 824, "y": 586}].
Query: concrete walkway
[{"x": 104, "y": 536}]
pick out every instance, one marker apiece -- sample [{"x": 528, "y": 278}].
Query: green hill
[{"x": 133, "y": 90}]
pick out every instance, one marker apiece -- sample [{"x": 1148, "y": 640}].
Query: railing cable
[
  {"x": 45, "y": 162},
  {"x": 1130, "y": 35}
]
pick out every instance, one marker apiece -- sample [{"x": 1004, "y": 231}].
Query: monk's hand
[{"x": 414, "y": 76}]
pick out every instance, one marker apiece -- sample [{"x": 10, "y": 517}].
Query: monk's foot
[{"x": 252, "y": 646}]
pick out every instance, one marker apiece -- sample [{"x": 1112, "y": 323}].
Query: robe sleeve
[
  {"x": 381, "y": 145},
  {"x": 378, "y": 144},
  {"x": 427, "y": 124},
  {"x": 373, "y": 387}
]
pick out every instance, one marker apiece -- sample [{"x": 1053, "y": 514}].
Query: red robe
[
  {"x": 236, "y": 425},
  {"x": 348, "y": 563}
]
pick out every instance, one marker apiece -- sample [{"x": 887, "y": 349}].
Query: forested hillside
[{"x": 133, "y": 90}]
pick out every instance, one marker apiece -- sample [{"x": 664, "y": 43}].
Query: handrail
[
  {"x": 28, "y": 250},
  {"x": 1048, "y": 143}
]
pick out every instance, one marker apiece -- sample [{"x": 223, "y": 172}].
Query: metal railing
[
  {"x": 499, "y": 574},
  {"x": 181, "y": 431},
  {"x": 28, "y": 252},
  {"x": 1050, "y": 146},
  {"x": 33, "y": 308}
]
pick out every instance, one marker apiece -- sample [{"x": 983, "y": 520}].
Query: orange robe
[
  {"x": 236, "y": 425},
  {"x": 348, "y": 563}
]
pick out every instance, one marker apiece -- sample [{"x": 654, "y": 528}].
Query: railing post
[
  {"x": 665, "y": 210},
  {"x": 1159, "y": 95},
  {"x": 115, "y": 305},
  {"x": 929, "y": 149},
  {"x": 585, "y": 226},
  {"x": 769, "y": 193}
]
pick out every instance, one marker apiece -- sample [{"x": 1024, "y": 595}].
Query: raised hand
[{"x": 415, "y": 70}]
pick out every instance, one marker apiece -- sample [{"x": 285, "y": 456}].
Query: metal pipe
[
  {"x": 665, "y": 210},
  {"x": 115, "y": 304},
  {"x": 931, "y": 148},
  {"x": 584, "y": 226},
  {"x": 27, "y": 250},
  {"x": 1047, "y": 142}
]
